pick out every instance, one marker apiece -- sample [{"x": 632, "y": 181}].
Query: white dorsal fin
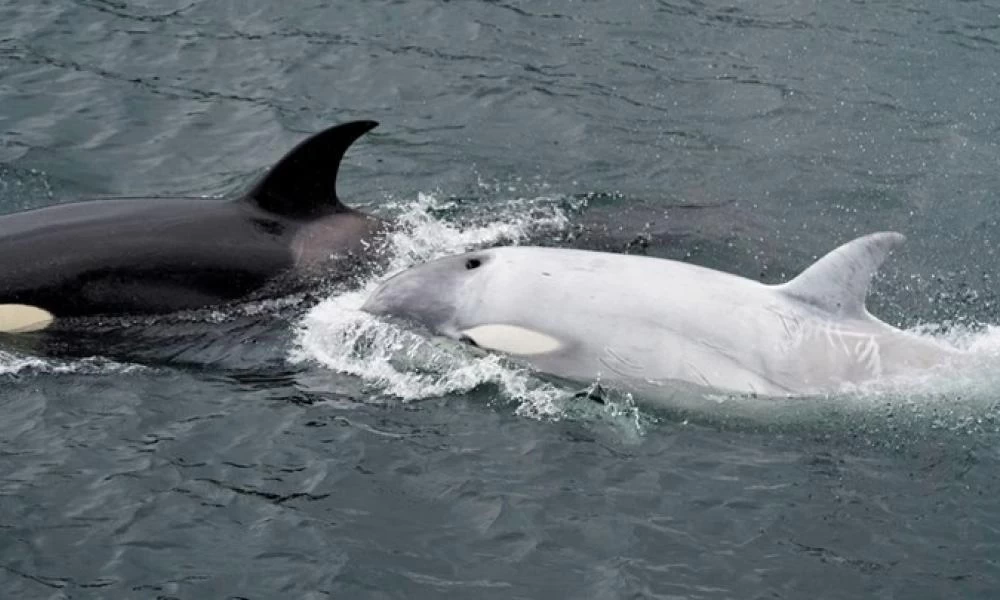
[{"x": 839, "y": 281}]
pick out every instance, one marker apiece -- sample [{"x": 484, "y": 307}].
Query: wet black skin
[{"x": 153, "y": 256}]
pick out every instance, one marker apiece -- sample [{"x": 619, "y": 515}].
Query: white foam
[
  {"x": 12, "y": 363},
  {"x": 975, "y": 370},
  {"x": 421, "y": 236},
  {"x": 399, "y": 363}
]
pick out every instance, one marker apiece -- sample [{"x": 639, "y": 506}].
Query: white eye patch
[
  {"x": 512, "y": 339},
  {"x": 22, "y": 318}
]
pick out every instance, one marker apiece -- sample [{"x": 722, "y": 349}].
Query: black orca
[{"x": 155, "y": 256}]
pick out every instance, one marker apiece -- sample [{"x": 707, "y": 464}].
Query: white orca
[{"x": 641, "y": 322}]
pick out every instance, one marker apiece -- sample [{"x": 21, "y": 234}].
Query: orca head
[
  {"x": 471, "y": 298},
  {"x": 439, "y": 295}
]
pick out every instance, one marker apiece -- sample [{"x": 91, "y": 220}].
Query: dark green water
[{"x": 271, "y": 460}]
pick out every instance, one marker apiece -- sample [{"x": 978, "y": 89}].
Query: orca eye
[{"x": 473, "y": 263}]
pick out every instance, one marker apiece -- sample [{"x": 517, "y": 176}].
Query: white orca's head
[
  {"x": 440, "y": 295},
  {"x": 478, "y": 297}
]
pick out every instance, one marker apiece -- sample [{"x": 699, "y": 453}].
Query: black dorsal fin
[{"x": 304, "y": 182}]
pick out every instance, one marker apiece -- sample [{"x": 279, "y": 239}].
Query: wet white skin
[{"x": 640, "y": 321}]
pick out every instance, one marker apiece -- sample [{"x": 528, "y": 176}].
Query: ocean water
[{"x": 300, "y": 449}]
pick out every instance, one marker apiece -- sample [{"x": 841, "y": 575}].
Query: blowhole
[{"x": 473, "y": 263}]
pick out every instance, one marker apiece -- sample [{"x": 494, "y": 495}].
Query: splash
[
  {"x": 423, "y": 234},
  {"x": 959, "y": 395},
  {"x": 964, "y": 387},
  {"x": 396, "y": 362},
  {"x": 14, "y": 364}
]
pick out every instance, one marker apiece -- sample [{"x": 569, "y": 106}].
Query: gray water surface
[{"x": 746, "y": 136}]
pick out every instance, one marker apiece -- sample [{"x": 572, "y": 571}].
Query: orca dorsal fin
[
  {"x": 838, "y": 282},
  {"x": 304, "y": 182}
]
